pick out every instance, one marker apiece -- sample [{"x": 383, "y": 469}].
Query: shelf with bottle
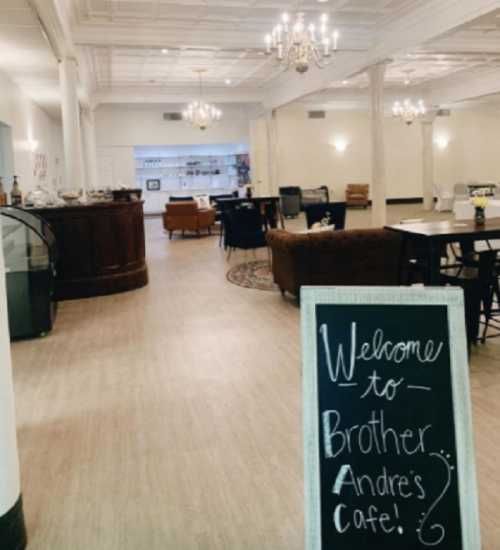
[{"x": 202, "y": 161}]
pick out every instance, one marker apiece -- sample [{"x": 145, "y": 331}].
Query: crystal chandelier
[
  {"x": 199, "y": 113},
  {"x": 407, "y": 111},
  {"x": 298, "y": 45}
]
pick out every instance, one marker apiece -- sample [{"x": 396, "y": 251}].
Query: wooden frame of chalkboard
[{"x": 441, "y": 511}]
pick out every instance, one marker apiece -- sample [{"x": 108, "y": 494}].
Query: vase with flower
[{"x": 479, "y": 202}]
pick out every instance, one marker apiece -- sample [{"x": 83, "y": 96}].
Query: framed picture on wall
[{"x": 153, "y": 185}]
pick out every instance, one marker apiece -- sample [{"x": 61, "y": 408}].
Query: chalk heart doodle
[{"x": 376, "y": 436}]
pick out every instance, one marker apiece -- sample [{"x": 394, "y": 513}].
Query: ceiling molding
[
  {"x": 459, "y": 89},
  {"x": 179, "y": 95}
]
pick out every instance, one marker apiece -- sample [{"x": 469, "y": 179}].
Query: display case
[{"x": 29, "y": 248}]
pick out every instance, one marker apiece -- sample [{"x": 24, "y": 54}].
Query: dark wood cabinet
[{"x": 100, "y": 248}]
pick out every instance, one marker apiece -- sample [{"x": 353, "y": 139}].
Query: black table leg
[
  {"x": 402, "y": 260},
  {"x": 434, "y": 267}
]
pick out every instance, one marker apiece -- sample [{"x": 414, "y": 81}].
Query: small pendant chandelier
[
  {"x": 298, "y": 45},
  {"x": 199, "y": 113},
  {"x": 407, "y": 111}
]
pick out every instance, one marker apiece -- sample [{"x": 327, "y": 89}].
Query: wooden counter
[{"x": 100, "y": 247}]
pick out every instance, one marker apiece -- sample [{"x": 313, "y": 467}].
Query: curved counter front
[{"x": 100, "y": 248}]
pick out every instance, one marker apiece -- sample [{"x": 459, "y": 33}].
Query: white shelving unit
[
  {"x": 184, "y": 170},
  {"x": 189, "y": 173}
]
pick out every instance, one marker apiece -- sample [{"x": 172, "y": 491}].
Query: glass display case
[{"x": 29, "y": 248}]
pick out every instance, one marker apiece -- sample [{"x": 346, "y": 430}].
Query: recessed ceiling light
[
  {"x": 322, "y": 1},
  {"x": 345, "y": 82},
  {"x": 228, "y": 81},
  {"x": 164, "y": 51},
  {"x": 407, "y": 82}
]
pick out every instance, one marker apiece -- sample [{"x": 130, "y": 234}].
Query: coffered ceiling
[
  {"x": 147, "y": 50},
  {"x": 158, "y": 43}
]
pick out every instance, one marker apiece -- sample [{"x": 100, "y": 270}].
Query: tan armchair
[
  {"x": 356, "y": 194},
  {"x": 186, "y": 216}
]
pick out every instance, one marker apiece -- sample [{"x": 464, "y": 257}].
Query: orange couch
[
  {"x": 356, "y": 194},
  {"x": 186, "y": 216}
]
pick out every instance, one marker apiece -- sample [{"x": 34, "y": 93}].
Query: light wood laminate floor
[{"x": 170, "y": 417}]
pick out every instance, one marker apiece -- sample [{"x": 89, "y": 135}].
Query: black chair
[
  {"x": 173, "y": 198},
  {"x": 478, "y": 282},
  {"x": 290, "y": 198},
  {"x": 290, "y": 201},
  {"x": 319, "y": 195},
  {"x": 332, "y": 213},
  {"x": 243, "y": 229}
]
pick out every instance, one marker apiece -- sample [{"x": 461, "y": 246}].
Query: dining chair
[
  {"x": 290, "y": 201},
  {"x": 461, "y": 192},
  {"x": 244, "y": 229},
  {"x": 444, "y": 198},
  {"x": 478, "y": 282},
  {"x": 335, "y": 212},
  {"x": 415, "y": 257}
]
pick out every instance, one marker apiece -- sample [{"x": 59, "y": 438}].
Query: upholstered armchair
[
  {"x": 187, "y": 216},
  {"x": 356, "y": 194}
]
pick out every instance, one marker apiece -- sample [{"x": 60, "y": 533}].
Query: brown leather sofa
[
  {"x": 185, "y": 216},
  {"x": 356, "y": 194},
  {"x": 352, "y": 257}
]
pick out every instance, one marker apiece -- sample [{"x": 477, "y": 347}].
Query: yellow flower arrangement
[{"x": 479, "y": 201}]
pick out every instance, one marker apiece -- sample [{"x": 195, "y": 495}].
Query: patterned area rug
[{"x": 255, "y": 274}]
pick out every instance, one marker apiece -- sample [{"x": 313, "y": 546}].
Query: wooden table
[
  {"x": 269, "y": 206},
  {"x": 434, "y": 234}
]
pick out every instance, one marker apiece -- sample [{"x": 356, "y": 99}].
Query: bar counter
[{"x": 100, "y": 248}]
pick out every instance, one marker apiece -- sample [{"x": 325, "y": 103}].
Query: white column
[
  {"x": 272, "y": 155},
  {"x": 90, "y": 146},
  {"x": 378, "y": 187},
  {"x": 9, "y": 464},
  {"x": 428, "y": 160},
  {"x": 68, "y": 76}
]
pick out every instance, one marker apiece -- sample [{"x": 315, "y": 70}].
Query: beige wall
[
  {"x": 33, "y": 131},
  {"x": 121, "y": 127},
  {"x": 306, "y": 155}
]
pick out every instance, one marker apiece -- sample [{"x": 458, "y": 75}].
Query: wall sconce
[
  {"x": 340, "y": 144},
  {"x": 442, "y": 142},
  {"x": 29, "y": 145}
]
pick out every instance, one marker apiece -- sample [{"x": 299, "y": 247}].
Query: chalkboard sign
[{"x": 389, "y": 461}]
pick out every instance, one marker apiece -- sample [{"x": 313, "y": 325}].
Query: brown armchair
[
  {"x": 353, "y": 257},
  {"x": 356, "y": 194},
  {"x": 186, "y": 216}
]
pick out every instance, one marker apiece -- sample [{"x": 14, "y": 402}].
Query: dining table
[
  {"x": 269, "y": 206},
  {"x": 433, "y": 235}
]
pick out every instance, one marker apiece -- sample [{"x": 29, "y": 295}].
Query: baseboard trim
[
  {"x": 13, "y": 529},
  {"x": 406, "y": 200},
  {"x": 402, "y": 200}
]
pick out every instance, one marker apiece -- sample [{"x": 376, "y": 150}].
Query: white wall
[
  {"x": 306, "y": 155},
  {"x": 121, "y": 127},
  {"x": 33, "y": 131}
]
